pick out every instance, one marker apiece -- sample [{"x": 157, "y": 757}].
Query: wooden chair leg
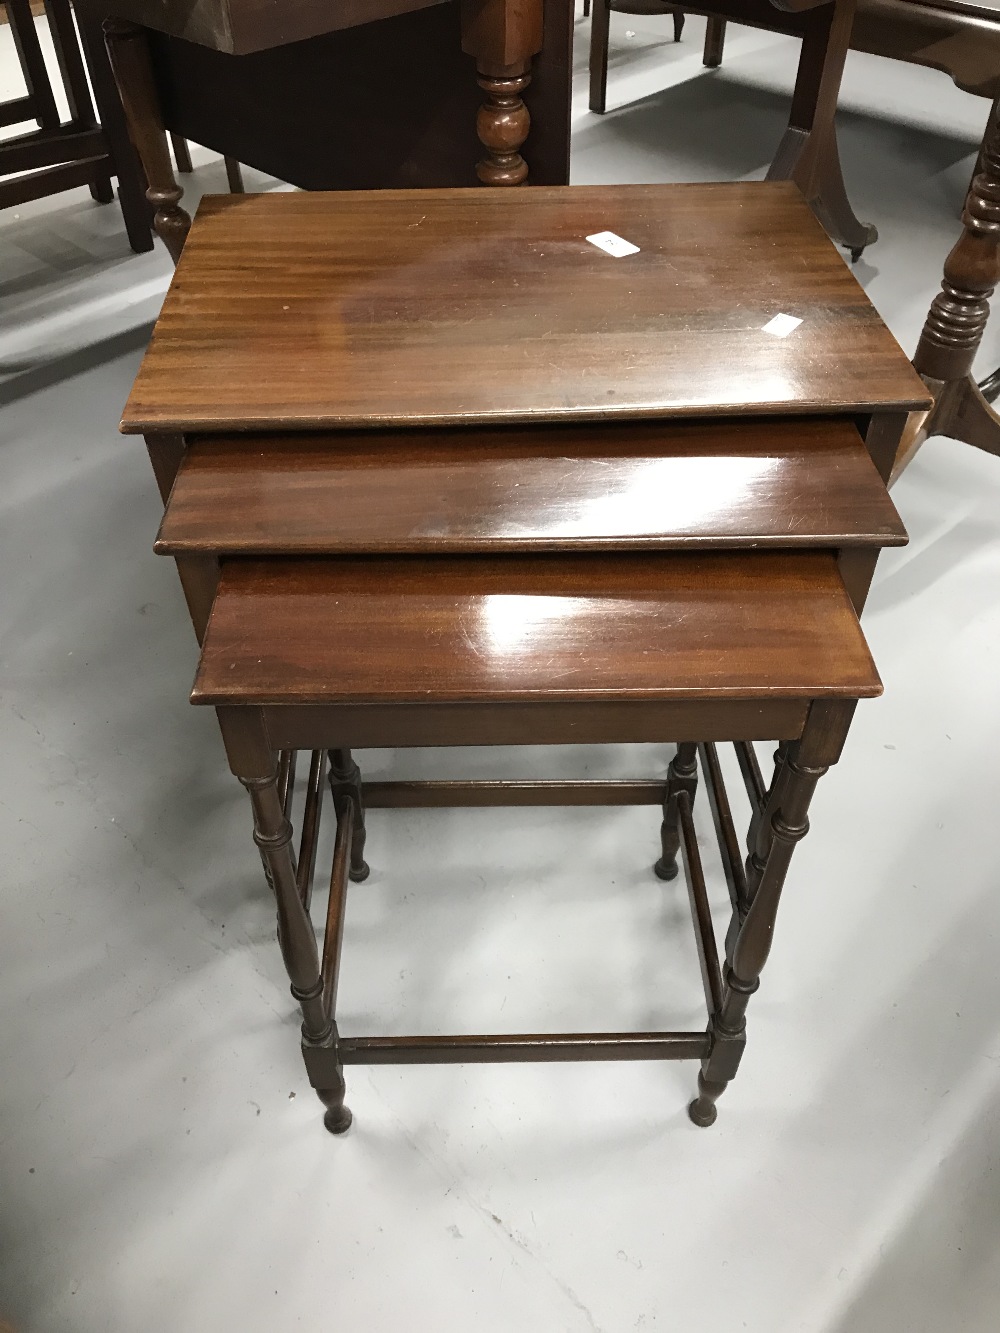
[
  {"x": 234, "y": 176},
  {"x": 586, "y": 9},
  {"x": 715, "y": 41},
  {"x": 682, "y": 776},
  {"x": 129, "y": 55},
  {"x": 182, "y": 153},
  {"x": 678, "y": 23},
  {"x": 956, "y": 321},
  {"x": 600, "y": 35},
  {"x": 345, "y": 782},
  {"x": 255, "y": 765},
  {"x": 806, "y": 762}
]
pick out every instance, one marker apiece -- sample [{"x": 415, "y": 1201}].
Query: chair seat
[
  {"x": 558, "y": 629},
  {"x": 779, "y": 483},
  {"x": 458, "y": 307}
]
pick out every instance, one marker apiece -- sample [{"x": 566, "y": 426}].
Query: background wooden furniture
[
  {"x": 388, "y": 99},
  {"x": 59, "y": 155},
  {"x": 808, "y": 153},
  {"x": 957, "y": 319}
]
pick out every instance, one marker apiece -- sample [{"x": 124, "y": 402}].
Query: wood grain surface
[
  {"x": 680, "y": 627},
  {"x": 785, "y": 483},
  {"x": 306, "y": 311}
]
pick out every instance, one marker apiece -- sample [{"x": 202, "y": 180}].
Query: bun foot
[
  {"x": 703, "y": 1112},
  {"x": 338, "y": 1119},
  {"x": 664, "y": 869},
  {"x": 358, "y": 873}
]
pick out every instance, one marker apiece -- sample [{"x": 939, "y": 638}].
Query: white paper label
[
  {"x": 613, "y": 245},
  {"x": 781, "y": 326}
]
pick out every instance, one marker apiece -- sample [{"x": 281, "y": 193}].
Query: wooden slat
[
  {"x": 507, "y": 792},
  {"x": 311, "y": 310},
  {"x": 496, "y": 1049},
  {"x": 569, "y": 628},
  {"x": 791, "y": 483}
]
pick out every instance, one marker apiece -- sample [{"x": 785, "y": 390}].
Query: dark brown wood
[
  {"x": 682, "y": 776},
  {"x": 635, "y": 485},
  {"x": 241, "y": 27},
  {"x": 128, "y": 51},
  {"x": 510, "y": 792},
  {"x": 522, "y": 629},
  {"x": 385, "y": 726},
  {"x": 523, "y": 1047},
  {"x": 182, "y": 154},
  {"x": 474, "y": 306},
  {"x": 715, "y": 39},
  {"x": 502, "y": 35},
  {"x": 131, "y": 186},
  {"x": 57, "y": 155},
  {"x": 722, "y": 817},
  {"x": 333, "y": 938},
  {"x": 957, "y": 319},
  {"x": 808, "y": 152},
  {"x": 252, "y": 761},
  {"x": 962, "y": 40},
  {"x": 701, "y": 915},
  {"x": 345, "y": 785},
  {"x": 809, "y": 759},
  {"x": 311, "y": 818}
]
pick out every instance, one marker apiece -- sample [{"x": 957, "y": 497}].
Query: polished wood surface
[
  {"x": 239, "y": 27},
  {"x": 460, "y": 306},
  {"x": 957, "y": 319},
  {"x": 808, "y": 153},
  {"x": 782, "y": 483},
  {"x": 565, "y": 628}
]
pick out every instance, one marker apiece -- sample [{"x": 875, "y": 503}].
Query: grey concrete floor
[{"x": 162, "y": 1161}]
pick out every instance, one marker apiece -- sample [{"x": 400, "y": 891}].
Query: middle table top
[{"x": 309, "y": 311}]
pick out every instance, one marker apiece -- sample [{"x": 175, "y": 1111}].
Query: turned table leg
[
  {"x": 957, "y": 319},
  {"x": 748, "y": 948},
  {"x": 345, "y": 782},
  {"x": 256, "y": 766},
  {"x": 128, "y": 51},
  {"x": 503, "y": 37},
  {"x": 682, "y": 775}
]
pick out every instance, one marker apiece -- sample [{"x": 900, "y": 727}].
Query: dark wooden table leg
[
  {"x": 682, "y": 775},
  {"x": 503, "y": 37},
  {"x": 808, "y": 153},
  {"x": 254, "y": 763},
  {"x": 131, "y": 187},
  {"x": 129, "y": 55},
  {"x": 345, "y": 781},
  {"x": 806, "y": 762},
  {"x": 715, "y": 41},
  {"x": 957, "y": 319}
]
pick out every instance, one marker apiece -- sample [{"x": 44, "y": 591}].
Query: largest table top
[{"x": 458, "y": 307}]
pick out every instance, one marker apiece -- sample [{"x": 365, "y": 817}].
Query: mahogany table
[
  {"x": 438, "y": 470},
  {"x": 354, "y": 94}
]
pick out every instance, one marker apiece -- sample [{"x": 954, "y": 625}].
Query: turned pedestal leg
[
  {"x": 682, "y": 775},
  {"x": 748, "y": 948},
  {"x": 128, "y": 51},
  {"x": 256, "y": 766},
  {"x": 957, "y": 319},
  {"x": 503, "y": 37},
  {"x": 345, "y": 781}
]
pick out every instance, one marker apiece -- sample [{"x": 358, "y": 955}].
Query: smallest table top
[{"x": 436, "y": 307}]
